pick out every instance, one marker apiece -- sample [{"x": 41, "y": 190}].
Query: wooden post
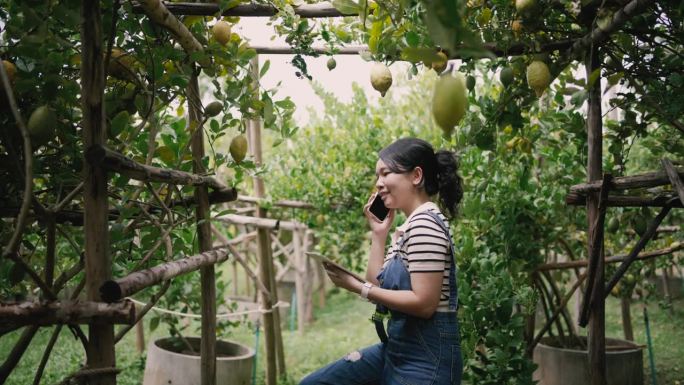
[
  {"x": 271, "y": 319},
  {"x": 208, "y": 279},
  {"x": 626, "y": 318},
  {"x": 309, "y": 283},
  {"x": 597, "y": 337},
  {"x": 300, "y": 279},
  {"x": 98, "y": 264}
]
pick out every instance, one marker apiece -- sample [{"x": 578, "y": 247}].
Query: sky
[{"x": 350, "y": 69}]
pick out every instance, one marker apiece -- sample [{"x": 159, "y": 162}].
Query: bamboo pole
[
  {"x": 596, "y": 335},
  {"x": 271, "y": 335},
  {"x": 50, "y": 228},
  {"x": 675, "y": 179},
  {"x": 576, "y": 199},
  {"x": 555, "y": 314},
  {"x": 596, "y": 258},
  {"x": 650, "y": 232},
  {"x": 626, "y": 312},
  {"x": 207, "y": 272},
  {"x": 75, "y": 217},
  {"x": 309, "y": 283},
  {"x": 17, "y": 351},
  {"x": 98, "y": 264},
  {"x": 261, "y": 222},
  {"x": 613, "y": 259},
  {"x": 281, "y": 203},
  {"x": 114, "y": 161},
  {"x": 159, "y": 13},
  {"x": 66, "y": 312},
  {"x": 115, "y": 290},
  {"x": 300, "y": 279},
  {"x": 599, "y": 34},
  {"x": 140, "y": 313},
  {"x": 322, "y": 9},
  {"x": 649, "y": 179},
  {"x": 46, "y": 354}
]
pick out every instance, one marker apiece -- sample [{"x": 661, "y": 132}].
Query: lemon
[
  {"x": 538, "y": 77},
  {"x": 640, "y": 224},
  {"x": 516, "y": 27},
  {"x": 331, "y": 64},
  {"x": 11, "y": 70},
  {"x": 506, "y": 76},
  {"x": 613, "y": 225},
  {"x": 41, "y": 125},
  {"x": 381, "y": 78},
  {"x": 121, "y": 65},
  {"x": 440, "y": 65},
  {"x": 630, "y": 279},
  {"x": 449, "y": 101},
  {"x": 213, "y": 109},
  {"x": 221, "y": 32},
  {"x": 525, "y": 7},
  {"x": 238, "y": 148},
  {"x": 470, "y": 82}
]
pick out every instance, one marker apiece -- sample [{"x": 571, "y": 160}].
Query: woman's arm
[
  {"x": 421, "y": 301},
  {"x": 375, "y": 259},
  {"x": 379, "y": 233}
]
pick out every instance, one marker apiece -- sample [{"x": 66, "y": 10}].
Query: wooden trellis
[{"x": 95, "y": 214}]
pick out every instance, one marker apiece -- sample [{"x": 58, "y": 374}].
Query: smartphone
[{"x": 378, "y": 208}]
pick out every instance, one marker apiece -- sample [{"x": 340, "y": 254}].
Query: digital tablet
[{"x": 324, "y": 259}]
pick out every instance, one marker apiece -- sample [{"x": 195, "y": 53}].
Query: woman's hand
[
  {"x": 379, "y": 228},
  {"x": 342, "y": 279}
]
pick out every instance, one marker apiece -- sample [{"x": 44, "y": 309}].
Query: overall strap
[{"x": 453, "y": 290}]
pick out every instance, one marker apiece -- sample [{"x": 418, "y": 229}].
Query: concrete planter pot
[
  {"x": 166, "y": 366},
  {"x": 563, "y": 366}
]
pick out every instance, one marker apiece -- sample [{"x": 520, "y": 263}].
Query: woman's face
[{"x": 396, "y": 189}]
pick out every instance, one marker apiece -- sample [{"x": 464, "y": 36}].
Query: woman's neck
[{"x": 418, "y": 200}]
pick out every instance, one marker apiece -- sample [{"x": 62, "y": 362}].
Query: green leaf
[
  {"x": 166, "y": 154},
  {"x": 119, "y": 122},
  {"x": 595, "y": 74},
  {"x": 346, "y": 7},
  {"x": 422, "y": 54},
  {"x": 265, "y": 68},
  {"x": 154, "y": 323},
  {"x": 412, "y": 39},
  {"x": 269, "y": 116},
  {"x": 285, "y": 103}
]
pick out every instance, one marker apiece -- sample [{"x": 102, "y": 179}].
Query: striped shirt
[{"x": 426, "y": 248}]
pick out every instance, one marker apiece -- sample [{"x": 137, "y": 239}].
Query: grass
[
  {"x": 667, "y": 336},
  {"x": 342, "y": 326}
]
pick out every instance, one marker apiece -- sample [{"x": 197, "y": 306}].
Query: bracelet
[{"x": 365, "y": 289}]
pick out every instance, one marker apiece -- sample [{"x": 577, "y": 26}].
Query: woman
[{"x": 415, "y": 280}]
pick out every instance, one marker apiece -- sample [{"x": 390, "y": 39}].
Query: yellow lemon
[
  {"x": 440, "y": 65},
  {"x": 213, "y": 109},
  {"x": 11, "y": 70},
  {"x": 449, "y": 101},
  {"x": 238, "y": 148},
  {"x": 538, "y": 77},
  {"x": 41, "y": 125},
  {"x": 221, "y": 32},
  {"x": 381, "y": 78}
]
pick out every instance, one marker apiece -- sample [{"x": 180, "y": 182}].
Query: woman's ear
[{"x": 417, "y": 177}]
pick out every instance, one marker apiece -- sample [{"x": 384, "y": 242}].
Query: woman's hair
[{"x": 440, "y": 170}]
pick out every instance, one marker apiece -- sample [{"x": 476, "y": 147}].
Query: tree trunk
[
  {"x": 207, "y": 273},
  {"x": 597, "y": 337},
  {"x": 273, "y": 340},
  {"x": 98, "y": 264},
  {"x": 626, "y": 318}
]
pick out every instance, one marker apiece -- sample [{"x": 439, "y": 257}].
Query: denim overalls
[{"x": 417, "y": 352}]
